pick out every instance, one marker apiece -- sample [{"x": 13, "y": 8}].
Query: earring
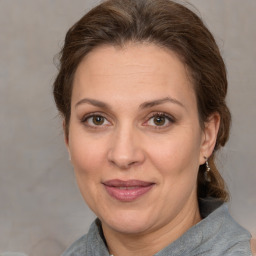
[{"x": 207, "y": 171}]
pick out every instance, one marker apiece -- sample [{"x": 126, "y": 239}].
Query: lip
[{"x": 127, "y": 191}]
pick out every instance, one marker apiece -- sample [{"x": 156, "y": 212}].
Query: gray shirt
[{"x": 217, "y": 234}]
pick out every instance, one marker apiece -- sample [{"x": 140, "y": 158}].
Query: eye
[
  {"x": 95, "y": 120},
  {"x": 159, "y": 120}
]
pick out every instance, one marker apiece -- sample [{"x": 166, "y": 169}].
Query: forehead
[
  {"x": 131, "y": 70},
  {"x": 138, "y": 56}
]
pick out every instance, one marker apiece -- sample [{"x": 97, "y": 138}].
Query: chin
[{"x": 128, "y": 222}]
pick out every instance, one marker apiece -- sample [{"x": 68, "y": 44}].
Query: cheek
[
  {"x": 176, "y": 160},
  {"x": 87, "y": 154},
  {"x": 176, "y": 152}
]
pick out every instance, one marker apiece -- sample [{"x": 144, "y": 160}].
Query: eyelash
[
  {"x": 85, "y": 119},
  {"x": 167, "y": 117}
]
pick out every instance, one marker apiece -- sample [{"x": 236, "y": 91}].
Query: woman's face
[{"x": 134, "y": 137}]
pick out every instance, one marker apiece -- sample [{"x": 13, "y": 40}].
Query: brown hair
[{"x": 167, "y": 24}]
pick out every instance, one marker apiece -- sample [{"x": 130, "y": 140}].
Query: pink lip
[{"x": 127, "y": 191}]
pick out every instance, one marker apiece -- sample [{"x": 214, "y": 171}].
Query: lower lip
[{"x": 127, "y": 195}]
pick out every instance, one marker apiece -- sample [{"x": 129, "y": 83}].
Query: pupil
[
  {"x": 98, "y": 120},
  {"x": 160, "y": 120}
]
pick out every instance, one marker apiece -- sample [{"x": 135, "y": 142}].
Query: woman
[{"x": 141, "y": 89}]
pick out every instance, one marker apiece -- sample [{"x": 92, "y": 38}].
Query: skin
[{"x": 129, "y": 143}]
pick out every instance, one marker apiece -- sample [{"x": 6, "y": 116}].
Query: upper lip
[{"x": 127, "y": 183}]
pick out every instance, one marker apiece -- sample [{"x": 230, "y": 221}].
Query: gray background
[{"x": 41, "y": 210}]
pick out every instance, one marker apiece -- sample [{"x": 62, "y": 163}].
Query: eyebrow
[
  {"x": 153, "y": 103},
  {"x": 95, "y": 103},
  {"x": 147, "y": 104}
]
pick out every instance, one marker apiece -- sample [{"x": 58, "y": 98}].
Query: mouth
[{"x": 127, "y": 191}]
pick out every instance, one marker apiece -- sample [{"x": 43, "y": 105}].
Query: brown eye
[
  {"x": 159, "y": 120},
  {"x": 98, "y": 120},
  {"x": 95, "y": 120}
]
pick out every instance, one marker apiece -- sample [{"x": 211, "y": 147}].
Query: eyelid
[
  {"x": 93, "y": 114},
  {"x": 169, "y": 117}
]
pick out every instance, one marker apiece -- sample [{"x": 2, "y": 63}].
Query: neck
[{"x": 153, "y": 241}]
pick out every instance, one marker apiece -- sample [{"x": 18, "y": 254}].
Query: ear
[
  {"x": 210, "y": 132},
  {"x": 66, "y": 137}
]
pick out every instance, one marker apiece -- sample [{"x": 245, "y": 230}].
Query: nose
[{"x": 126, "y": 149}]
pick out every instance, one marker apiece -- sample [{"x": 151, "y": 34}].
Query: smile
[{"x": 127, "y": 191}]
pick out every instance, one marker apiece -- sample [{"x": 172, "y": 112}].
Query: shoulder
[
  {"x": 77, "y": 248},
  {"x": 227, "y": 237},
  {"x": 90, "y": 244}
]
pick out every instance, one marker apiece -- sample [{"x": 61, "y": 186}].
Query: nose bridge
[{"x": 125, "y": 150}]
